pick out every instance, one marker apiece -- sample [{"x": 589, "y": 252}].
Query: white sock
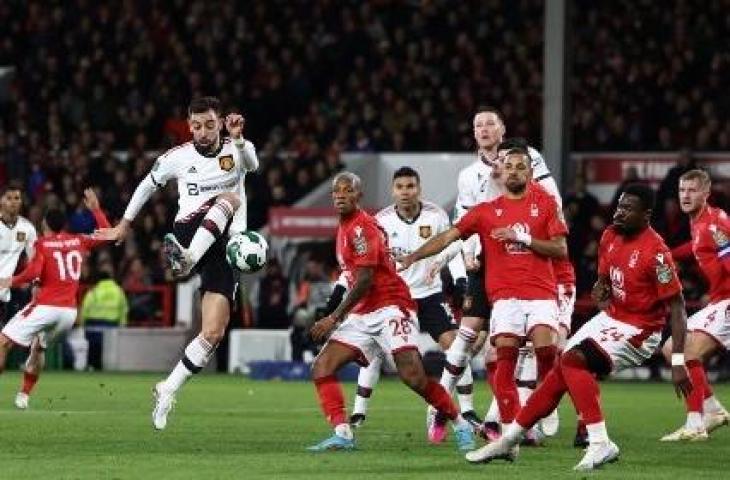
[
  {"x": 211, "y": 228},
  {"x": 466, "y": 381},
  {"x": 526, "y": 370},
  {"x": 367, "y": 378},
  {"x": 196, "y": 356},
  {"x": 493, "y": 411},
  {"x": 597, "y": 432},
  {"x": 712, "y": 405},
  {"x": 694, "y": 421},
  {"x": 343, "y": 430},
  {"x": 459, "y": 422},
  {"x": 512, "y": 433},
  {"x": 524, "y": 394},
  {"x": 458, "y": 355}
]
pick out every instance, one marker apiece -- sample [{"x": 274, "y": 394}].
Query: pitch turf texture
[{"x": 97, "y": 426}]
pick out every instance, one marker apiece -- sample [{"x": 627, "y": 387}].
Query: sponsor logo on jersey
[
  {"x": 226, "y": 163},
  {"x": 424, "y": 231},
  {"x": 517, "y": 247},
  {"x": 20, "y": 236},
  {"x": 663, "y": 271}
]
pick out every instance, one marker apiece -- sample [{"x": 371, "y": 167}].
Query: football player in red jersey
[
  {"x": 709, "y": 328},
  {"x": 637, "y": 286},
  {"x": 520, "y": 232},
  {"x": 57, "y": 266},
  {"x": 376, "y": 315}
]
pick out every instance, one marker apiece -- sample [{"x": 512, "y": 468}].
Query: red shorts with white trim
[
  {"x": 714, "y": 320},
  {"x": 388, "y": 329},
  {"x": 623, "y": 345},
  {"x": 517, "y": 318}
]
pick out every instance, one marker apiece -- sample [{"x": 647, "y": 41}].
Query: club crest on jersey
[
  {"x": 534, "y": 212},
  {"x": 20, "y": 236},
  {"x": 663, "y": 271},
  {"x": 424, "y": 231},
  {"x": 226, "y": 163},
  {"x": 359, "y": 243},
  {"x": 498, "y": 211}
]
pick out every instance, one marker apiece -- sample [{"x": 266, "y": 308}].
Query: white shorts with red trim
[
  {"x": 566, "y": 305},
  {"x": 714, "y": 320},
  {"x": 624, "y": 345},
  {"x": 44, "y": 321},
  {"x": 517, "y": 318},
  {"x": 388, "y": 329}
]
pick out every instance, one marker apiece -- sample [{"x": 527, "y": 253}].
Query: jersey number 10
[{"x": 69, "y": 266}]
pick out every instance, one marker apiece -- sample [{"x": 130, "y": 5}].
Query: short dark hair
[
  {"x": 513, "y": 143},
  {"x": 406, "y": 172},
  {"x": 644, "y": 193},
  {"x": 489, "y": 109},
  {"x": 11, "y": 186},
  {"x": 55, "y": 219},
  {"x": 203, "y": 104}
]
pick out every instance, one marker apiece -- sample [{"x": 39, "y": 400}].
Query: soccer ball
[{"x": 246, "y": 251}]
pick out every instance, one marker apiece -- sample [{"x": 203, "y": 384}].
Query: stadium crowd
[{"x": 319, "y": 78}]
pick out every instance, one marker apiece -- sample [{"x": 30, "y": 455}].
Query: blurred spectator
[
  {"x": 104, "y": 306},
  {"x": 272, "y": 297}
]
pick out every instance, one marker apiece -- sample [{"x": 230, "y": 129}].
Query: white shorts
[
  {"x": 388, "y": 329},
  {"x": 517, "y": 318},
  {"x": 714, "y": 320},
  {"x": 45, "y": 321},
  {"x": 622, "y": 344},
  {"x": 566, "y": 305}
]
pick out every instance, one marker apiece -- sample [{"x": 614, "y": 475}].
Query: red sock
[
  {"x": 29, "y": 381},
  {"x": 697, "y": 395},
  {"x": 437, "y": 396},
  {"x": 545, "y": 360},
  {"x": 544, "y": 399},
  {"x": 505, "y": 388},
  {"x": 582, "y": 387},
  {"x": 491, "y": 369},
  {"x": 331, "y": 399}
]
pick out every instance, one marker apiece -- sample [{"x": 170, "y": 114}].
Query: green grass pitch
[{"x": 97, "y": 426}]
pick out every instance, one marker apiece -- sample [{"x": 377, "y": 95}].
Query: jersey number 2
[{"x": 69, "y": 266}]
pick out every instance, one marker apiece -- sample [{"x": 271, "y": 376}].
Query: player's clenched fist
[{"x": 234, "y": 125}]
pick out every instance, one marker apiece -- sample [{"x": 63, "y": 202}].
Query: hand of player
[
  {"x": 433, "y": 271},
  {"x": 601, "y": 292},
  {"x": 5, "y": 282},
  {"x": 471, "y": 263},
  {"x": 682, "y": 385},
  {"x": 322, "y": 328},
  {"x": 234, "y": 125},
  {"x": 115, "y": 234},
  {"x": 91, "y": 200},
  {"x": 403, "y": 262},
  {"x": 504, "y": 234}
]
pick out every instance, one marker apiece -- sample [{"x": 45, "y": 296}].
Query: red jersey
[
  {"x": 564, "y": 271},
  {"x": 642, "y": 275},
  {"x": 57, "y": 264},
  {"x": 711, "y": 248},
  {"x": 361, "y": 242},
  {"x": 513, "y": 270}
]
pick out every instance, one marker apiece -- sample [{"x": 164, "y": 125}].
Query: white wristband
[
  {"x": 677, "y": 359},
  {"x": 523, "y": 237}
]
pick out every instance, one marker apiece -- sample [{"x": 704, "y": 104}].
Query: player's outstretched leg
[
  {"x": 31, "y": 372},
  {"x": 366, "y": 380},
  {"x": 410, "y": 369},
  {"x": 331, "y": 399},
  {"x": 182, "y": 260}
]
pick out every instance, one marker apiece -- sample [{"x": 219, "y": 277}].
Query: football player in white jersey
[
  {"x": 210, "y": 173},
  {"x": 477, "y": 183},
  {"x": 17, "y": 235},
  {"x": 409, "y": 223}
]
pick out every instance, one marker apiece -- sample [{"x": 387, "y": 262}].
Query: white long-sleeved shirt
[
  {"x": 199, "y": 178},
  {"x": 14, "y": 240}
]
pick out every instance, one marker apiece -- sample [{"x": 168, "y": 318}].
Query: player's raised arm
[
  {"x": 31, "y": 271},
  {"x": 92, "y": 203},
  {"x": 234, "y": 124},
  {"x": 431, "y": 247}
]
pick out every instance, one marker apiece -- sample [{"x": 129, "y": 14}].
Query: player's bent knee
[{"x": 587, "y": 355}]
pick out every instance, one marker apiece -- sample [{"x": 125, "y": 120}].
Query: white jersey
[
  {"x": 200, "y": 178},
  {"x": 476, "y": 185},
  {"x": 14, "y": 240},
  {"x": 406, "y": 236}
]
